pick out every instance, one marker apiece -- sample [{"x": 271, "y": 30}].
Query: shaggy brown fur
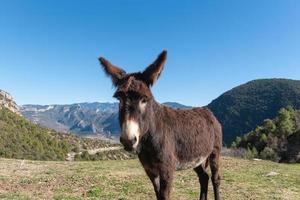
[{"x": 167, "y": 139}]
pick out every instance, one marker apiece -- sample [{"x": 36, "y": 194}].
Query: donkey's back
[{"x": 196, "y": 133}]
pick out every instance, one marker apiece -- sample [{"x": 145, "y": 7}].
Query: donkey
[{"x": 165, "y": 139}]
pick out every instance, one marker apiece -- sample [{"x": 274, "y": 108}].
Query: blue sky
[{"x": 49, "y": 49}]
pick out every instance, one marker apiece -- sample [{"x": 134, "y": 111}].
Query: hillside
[
  {"x": 244, "y": 107},
  {"x": 20, "y": 138},
  {"x": 109, "y": 180},
  {"x": 84, "y": 119},
  {"x": 276, "y": 139}
]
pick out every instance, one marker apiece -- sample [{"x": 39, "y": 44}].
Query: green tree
[
  {"x": 233, "y": 145},
  {"x": 254, "y": 152},
  {"x": 286, "y": 124},
  {"x": 269, "y": 126},
  {"x": 269, "y": 154},
  {"x": 249, "y": 153},
  {"x": 263, "y": 138},
  {"x": 238, "y": 140}
]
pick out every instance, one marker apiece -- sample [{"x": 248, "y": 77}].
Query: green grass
[{"x": 124, "y": 180}]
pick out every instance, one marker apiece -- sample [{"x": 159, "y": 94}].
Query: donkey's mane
[{"x": 135, "y": 83}]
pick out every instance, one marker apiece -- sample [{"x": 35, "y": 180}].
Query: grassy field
[{"x": 241, "y": 179}]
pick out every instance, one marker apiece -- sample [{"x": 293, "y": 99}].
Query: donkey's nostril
[
  {"x": 133, "y": 141},
  {"x": 128, "y": 144}
]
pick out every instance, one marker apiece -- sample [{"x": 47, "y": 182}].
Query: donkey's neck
[{"x": 159, "y": 117}]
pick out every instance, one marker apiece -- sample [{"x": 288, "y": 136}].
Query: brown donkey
[{"x": 165, "y": 139}]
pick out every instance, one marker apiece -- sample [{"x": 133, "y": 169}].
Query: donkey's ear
[
  {"x": 152, "y": 73},
  {"x": 114, "y": 72}
]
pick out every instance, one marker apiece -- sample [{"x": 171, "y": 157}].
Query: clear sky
[{"x": 49, "y": 49}]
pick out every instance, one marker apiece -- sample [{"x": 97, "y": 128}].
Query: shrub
[{"x": 268, "y": 154}]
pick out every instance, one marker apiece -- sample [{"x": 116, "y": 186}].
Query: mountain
[
  {"x": 80, "y": 118},
  {"x": 84, "y": 119},
  {"x": 244, "y": 107},
  {"x": 176, "y": 105},
  {"x": 7, "y": 101},
  {"x": 239, "y": 110}
]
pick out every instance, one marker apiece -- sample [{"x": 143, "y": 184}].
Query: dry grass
[{"x": 241, "y": 179}]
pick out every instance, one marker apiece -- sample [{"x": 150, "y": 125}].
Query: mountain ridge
[
  {"x": 239, "y": 110},
  {"x": 245, "y": 106},
  {"x": 85, "y": 119}
]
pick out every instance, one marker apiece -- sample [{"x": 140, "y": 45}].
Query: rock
[
  {"x": 272, "y": 173},
  {"x": 7, "y": 101}
]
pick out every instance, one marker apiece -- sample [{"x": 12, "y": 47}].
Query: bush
[
  {"x": 85, "y": 156},
  {"x": 238, "y": 140},
  {"x": 76, "y": 149},
  {"x": 268, "y": 154},
  {"x": 233, "y": 145}
]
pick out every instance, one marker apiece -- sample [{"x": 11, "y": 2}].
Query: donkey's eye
[{"x": 144, "y": 100}]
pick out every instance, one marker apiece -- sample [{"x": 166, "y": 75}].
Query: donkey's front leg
[
  {"x": 165, "y": 180},
  {"x": 154, "y": 177}
]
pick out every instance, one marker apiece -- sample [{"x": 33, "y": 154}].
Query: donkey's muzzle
[{"x": 128, "y": 143}]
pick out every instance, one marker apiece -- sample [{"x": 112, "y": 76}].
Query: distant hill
[
  {"x": 82, "y": 118},
  {"x": 244, "y": 107},
  {"x": 19, "y": 138},
  {"x": 176, "y": 105}
]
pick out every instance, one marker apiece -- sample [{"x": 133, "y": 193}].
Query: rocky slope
[{"x": 7, "y": 101}]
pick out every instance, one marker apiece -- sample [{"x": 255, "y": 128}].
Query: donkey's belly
[{"x": 181, "y": 165}]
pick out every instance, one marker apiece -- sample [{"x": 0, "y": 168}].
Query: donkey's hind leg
[
  {"x": 203, "y": 179},
  {"x": 214, "y": 161}
]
